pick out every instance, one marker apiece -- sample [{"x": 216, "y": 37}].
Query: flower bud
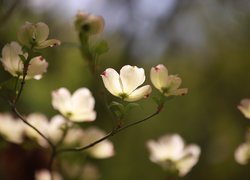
[{"x": 89, "y": 24}]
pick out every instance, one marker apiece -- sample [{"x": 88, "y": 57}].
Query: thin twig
[
  {"x": 30, "y": 125},
  {"x": 112, "y": 133}
]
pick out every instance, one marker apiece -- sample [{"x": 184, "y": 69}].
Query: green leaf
[
  {"x": 117, "y": 109},
  {"x": 101, "y": 47},
  {"x": 131, "y": 106},
  {"x": 22, "y": 58}
]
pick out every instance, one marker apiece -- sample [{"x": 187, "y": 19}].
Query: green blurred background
[{"x": 206, "y": 42}]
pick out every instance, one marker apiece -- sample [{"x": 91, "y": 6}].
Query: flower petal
[
  {"x": 111, "y": 80},
  {"x": 41, "y": 32},
  {"x": 37, "y": 67},
  {"x": 173, "y": 82},
  {"x": 190, "y": 157},
  {"x": 11, "y": 60},
  {"x": 26, "y": 34},
  {"x": 244, "y": 107},
  {"x": 61, "y": 101},
  {"x": 139, "y": 93},
  {"x": 242, "y": 154},
  {"x": 159, "y": 76},
  {"x": 131, "y": 78},
  {"x": 48, "y": 43}
]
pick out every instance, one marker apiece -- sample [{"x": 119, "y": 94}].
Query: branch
[
  {"x": 31, "y": 126},
  {"x": 112, "y": 133}
]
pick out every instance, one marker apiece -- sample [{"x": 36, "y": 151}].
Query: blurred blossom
[
  {"x": 126, "y": 84},
  {"x": 244, "y": 107},
  {"x": 14, "y": 65},
  {"x": 52, "y": 129},
  {"x": 36, "y": 35},
  {"x": 166, "y": 84},
  {"x": 78, "y": 107},
  {"x": 45, "y": 175},
  {"x": 89, "y": 24},
  {"x": 85, "y": 137},
  {"x": 104, "y": 149},
  {"x": 90, "y": 172},
  {"x": 242, "y": 154},
  {"x": 12, "y": 129},
  {"x": 73, "y": 136},
  {"x": 171, "y": 153}
]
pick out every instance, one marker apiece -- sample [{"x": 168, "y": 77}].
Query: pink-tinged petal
[
  {"x": 61, "y": 101},
  {"x": 111, "y": 80},
  {"x": 131, "y": 78},
  {"x": 244, "y": 107},
  {"x": 159, "y": 76},
  {"x": 48, "y": 43},
  {"x": 37, "y": 67},
  {"x": 178, "y": 92},
  {"x": 139, "y": 93},
  {"x": 45, "y": 175},
  {"x": 41, "y": 32}
]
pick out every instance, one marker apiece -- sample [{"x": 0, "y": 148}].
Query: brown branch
[{"x": 112, "y": 133}]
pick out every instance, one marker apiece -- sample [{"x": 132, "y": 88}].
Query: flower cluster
[
  {"x": 171, "y": 153},
  {"x": 126, "y": 84}
]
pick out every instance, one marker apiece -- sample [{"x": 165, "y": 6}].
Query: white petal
[
  {"x": 159, "y": 76},
  {"x": 11, "y": 129},
  {"x": 45, "y": 175},
  {"x": 102, "y": 150},
  {"x": 173, "y": 82},
  {"x": 42, "y": 32},
  {"x": 244, "y": 107},
  {"x": 190, "y": 157},
  {"x": 131, "y": 78},
  {"x": 82, "y": 100},
  {"x": 55, "y": 128},
  {"x": 83, "y": 116},
  {"x": 242, "y": 154},
  {"x": 37, "y": 67},
  {"x": 111, "y": 80},
  {"x": 61, "y": 101},
  {"x": 26, "y": 34},
  {"x": 139, "y": 93},
  {"x": 10, "y": 58}
]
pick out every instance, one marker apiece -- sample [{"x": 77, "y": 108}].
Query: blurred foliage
[{"x": 206, "y": 43}]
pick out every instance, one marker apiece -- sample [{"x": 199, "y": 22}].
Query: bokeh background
[{"x": 206, "y": 42}]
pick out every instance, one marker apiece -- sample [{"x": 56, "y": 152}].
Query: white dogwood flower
[
  {"x": 242, "y": 154},
  {"x": 126, "y": 84},
  {"x": 11, "y": 129},
  {"x": 171, "y": 153},
  {"x": 244, "y": 107},
  {"x": 36, "y": 35},
  {"x": 79, "y": 107},
  {"x": 166, "y": 84},
  {"x": 14, "y": 65}
]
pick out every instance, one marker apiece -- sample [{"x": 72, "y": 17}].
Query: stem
[
  {"x": 31, "y": 126},
  {"x": 52, "y": 158},
  {"x": 112, "y": 133}
]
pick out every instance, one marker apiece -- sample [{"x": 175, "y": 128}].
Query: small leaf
[
  {"x": 7, "y": 88},
  {"x": 117, "y": 108},
  {"x": 131, "y": 106},
  {"x": 101, "y": 47},
  {"x": 22, "y": 58}
]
